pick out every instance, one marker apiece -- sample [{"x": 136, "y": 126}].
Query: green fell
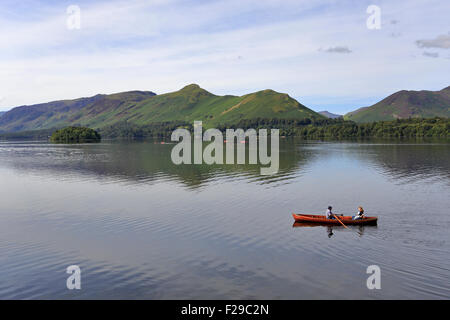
[
  {"x": 145, "y": 108},
  {"x": 406, "y": 104},
  {"x": 77, "y": 112}
]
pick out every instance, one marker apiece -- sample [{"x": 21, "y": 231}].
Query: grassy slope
[
  {"x": 188, "y": 104},
  {"x": 66, "y": 112},
  {"x": 406, "y": 104},
  {"x": 193, "y": 103}
]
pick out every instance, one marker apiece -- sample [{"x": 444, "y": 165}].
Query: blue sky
[{"x": 319, "y": 52}]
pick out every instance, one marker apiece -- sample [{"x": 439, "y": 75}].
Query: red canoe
[{"x": 347, "y": 220}]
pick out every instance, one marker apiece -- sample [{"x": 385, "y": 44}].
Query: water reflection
[
  {"x": 359, "y": 229},
  {"x": 140, "y": 162},
  {"x": 141, "y": 227},
  {"x": 148, "y": 162},
  {"x": 409, "y": 163},
  {"x": 330, "y": 231}
]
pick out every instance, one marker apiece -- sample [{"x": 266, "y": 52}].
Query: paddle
[{"x": 340, "y": 221}]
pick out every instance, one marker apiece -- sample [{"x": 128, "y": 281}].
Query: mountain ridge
[
  {"x": 145, "y": 107},
  {"x": 330, "y": 115},
  {"x": 195, "y": 103},
  {"x": 405, "y": 104},
  {"x": 61, "y": 112}
]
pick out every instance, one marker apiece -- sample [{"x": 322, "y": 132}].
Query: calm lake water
[{"x": 141, "y": 227}]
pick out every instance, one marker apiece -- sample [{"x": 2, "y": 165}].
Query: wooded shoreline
[{"x": 305, "y": 128}]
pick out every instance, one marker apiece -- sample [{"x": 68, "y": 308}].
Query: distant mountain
[
  {"x": 405, "y": 104},
  {"x": 330, "y": 115},
  {"x": 2, "y": 112},
  {"x": 79, "y": 111},
  {"x": 188, "y": 104}
]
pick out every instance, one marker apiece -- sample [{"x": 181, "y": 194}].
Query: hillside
[
  {"x": 2, "y": 113},
  {"x": 141, "y": 108},
  {"x": 330, "y": 115},
  {"x": 67, "y": 112},
  {"x": 406, "y": 104}
]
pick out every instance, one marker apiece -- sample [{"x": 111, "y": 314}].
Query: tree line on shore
[
  {"x": 306, "y": 128},
  {"x": 339, "y": 128}
]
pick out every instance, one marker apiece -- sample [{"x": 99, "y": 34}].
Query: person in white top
[{"x": 330, "y": 214}]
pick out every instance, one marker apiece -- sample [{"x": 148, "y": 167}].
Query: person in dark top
[{"x": 359, "y": 214}]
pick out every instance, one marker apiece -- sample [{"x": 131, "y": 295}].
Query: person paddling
[{"x": 330, "y": 214}]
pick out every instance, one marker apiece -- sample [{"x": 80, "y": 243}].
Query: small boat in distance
[{"x": 347, "y": 220}]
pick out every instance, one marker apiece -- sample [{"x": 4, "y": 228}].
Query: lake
[{"x": 140, "y": 227}]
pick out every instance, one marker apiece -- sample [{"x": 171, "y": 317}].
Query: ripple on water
[{"x": 141, "y": 227}]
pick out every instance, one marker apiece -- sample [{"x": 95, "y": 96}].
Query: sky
[{"x": 327, "y": 54}]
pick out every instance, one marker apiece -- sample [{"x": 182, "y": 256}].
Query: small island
[{"x": 75, "y": 135}]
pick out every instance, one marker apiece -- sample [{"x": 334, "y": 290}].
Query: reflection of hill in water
[
  {"x": 411, "y": 162},
  {"x": 140, "y": 162},
  {"x": 401, "y": 161},
  {"x": 147, "y": 162}
]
